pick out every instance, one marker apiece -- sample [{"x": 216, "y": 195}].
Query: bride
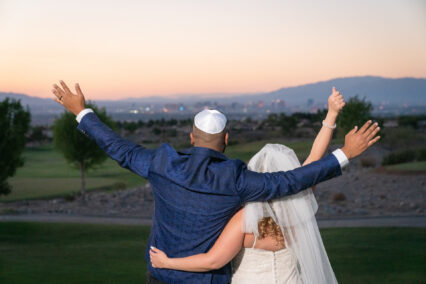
[{"x": 276, "y": 241}]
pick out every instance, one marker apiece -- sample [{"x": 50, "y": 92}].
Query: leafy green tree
[
  {"x": 130, "y": 126},
  {"x": 78, "y": 150},
  {"x": 355, "y": 112},
  {"x": 37, "y": 134},
  {"x": 14, "y": 124},
  {"x": 288, "y": 124},
  {"x": 272, "y": 119}
]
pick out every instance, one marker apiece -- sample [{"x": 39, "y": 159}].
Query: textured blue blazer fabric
[{"x": 196, "y": 191}]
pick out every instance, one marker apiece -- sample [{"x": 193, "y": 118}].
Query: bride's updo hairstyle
[{"x": 268, "y": 227}]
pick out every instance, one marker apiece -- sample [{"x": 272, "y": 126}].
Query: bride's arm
[
  {"x": 335, "y": 104},
  {"x": 223, "y": 251}
]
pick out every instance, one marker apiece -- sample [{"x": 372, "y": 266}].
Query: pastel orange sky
[{"x": 118, "y": 49}]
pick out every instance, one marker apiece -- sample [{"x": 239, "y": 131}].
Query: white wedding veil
[{"x": 295, "y": 214}]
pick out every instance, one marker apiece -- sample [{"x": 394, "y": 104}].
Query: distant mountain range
[
  {"x": 402, "y": 95},
  {"x": 377, "y": 90}
]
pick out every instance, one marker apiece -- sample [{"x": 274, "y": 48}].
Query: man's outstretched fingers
[
  {"x": 353, "y": 130},
  {"x": 58, "y": 89},
  {"x": 57, "y": 95},
  {"x": 365, "y": 126},
  {"x": 66, "y": 89},
  {"x": 78, "y": 90},
  {"x": 371, "y": 142},
  {"x": 371, "y": 129},
  {"x": 373, "y": 133}
]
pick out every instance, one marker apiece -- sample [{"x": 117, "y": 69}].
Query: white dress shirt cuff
[
  {"x": 341, "y": 157},
  {"x": 83, "y": 113}
]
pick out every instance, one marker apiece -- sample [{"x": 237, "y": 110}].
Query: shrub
[
  {"x": 119, "y": 185},
  {"x": 156, "y": 131},
  {"x": 399, "y": 157},
  {"x": 410, "y": 120},
  {"x": 233, "y": 142},
  {"x": 70, "y": 197},
  {"x": 172, "y": 133},
  {"x": 338, "y": 196},
  {"x": 368, "y": 162},
  {"x": 421, "y": 155},
  {"x": 399, "y": 137}
]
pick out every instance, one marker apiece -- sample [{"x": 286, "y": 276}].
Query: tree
[
  {"x": 37, "y": 134},
  {"x": 355, "y": 113},
  {"x": 78, "y": 150},
  {"x": 14, "y": 124},
  {"x": 288, "y": 124}
]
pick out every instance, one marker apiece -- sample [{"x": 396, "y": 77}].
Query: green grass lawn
[
  {"x": 377, "y": 255},
  {"x": 247, "y": 150},
  {"x": 74, "y": 253},
  {"x": 408, "y": 167},
  {"x": 47, "y": 174}
]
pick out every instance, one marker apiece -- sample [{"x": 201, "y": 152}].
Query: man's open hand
[
  {"x": 75, "y": 103},
  {"x": 356, "y": 142}
]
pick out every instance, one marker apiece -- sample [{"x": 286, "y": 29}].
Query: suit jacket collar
[{"x": 202, "y": 151}]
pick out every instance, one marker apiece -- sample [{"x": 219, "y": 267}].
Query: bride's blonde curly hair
[{"x": 268, "y": 227}]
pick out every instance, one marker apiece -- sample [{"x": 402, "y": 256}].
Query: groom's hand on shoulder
[{"x": 357, "y": 141}]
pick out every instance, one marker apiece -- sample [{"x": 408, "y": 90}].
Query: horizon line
[{"x": 225, "y": 94}]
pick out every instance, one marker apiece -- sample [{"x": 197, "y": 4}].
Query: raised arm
[
  {"x": 128, "y": 154},
  {"x": 254, "y": 186},
  {"x": 335, "y": 105},
  {"x": 223, "y": 251}
]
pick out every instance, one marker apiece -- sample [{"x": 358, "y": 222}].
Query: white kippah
[{"x": 210, "y": 121}]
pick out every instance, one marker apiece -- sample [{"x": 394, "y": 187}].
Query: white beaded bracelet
[{"x": 328, "y": 125}]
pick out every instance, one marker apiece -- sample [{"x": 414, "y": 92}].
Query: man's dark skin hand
[
  {"x": 356, "y": 141},
  {"x": 75, "y": 103}
]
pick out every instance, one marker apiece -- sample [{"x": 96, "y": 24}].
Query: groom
[{"x": 196, "y": 191}]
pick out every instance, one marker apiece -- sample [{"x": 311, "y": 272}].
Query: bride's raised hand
[
  {"x": 158, "y": 258},
  {"x": 335, "y": 102}
]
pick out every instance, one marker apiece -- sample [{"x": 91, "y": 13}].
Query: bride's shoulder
[
  {"x": 239, "y": 215},
  {"x": 237, "y": 219}
]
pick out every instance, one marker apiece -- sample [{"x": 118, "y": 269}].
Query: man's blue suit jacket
[{"x": 196, "y": 191}]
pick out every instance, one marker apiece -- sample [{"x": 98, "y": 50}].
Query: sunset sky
[{"x": 118, "y": 49}]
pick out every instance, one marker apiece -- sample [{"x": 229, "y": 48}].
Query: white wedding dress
[{"x": 253, "y": 265}]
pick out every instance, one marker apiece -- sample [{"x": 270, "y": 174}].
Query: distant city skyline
[{"x": 162, "y": 48}]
